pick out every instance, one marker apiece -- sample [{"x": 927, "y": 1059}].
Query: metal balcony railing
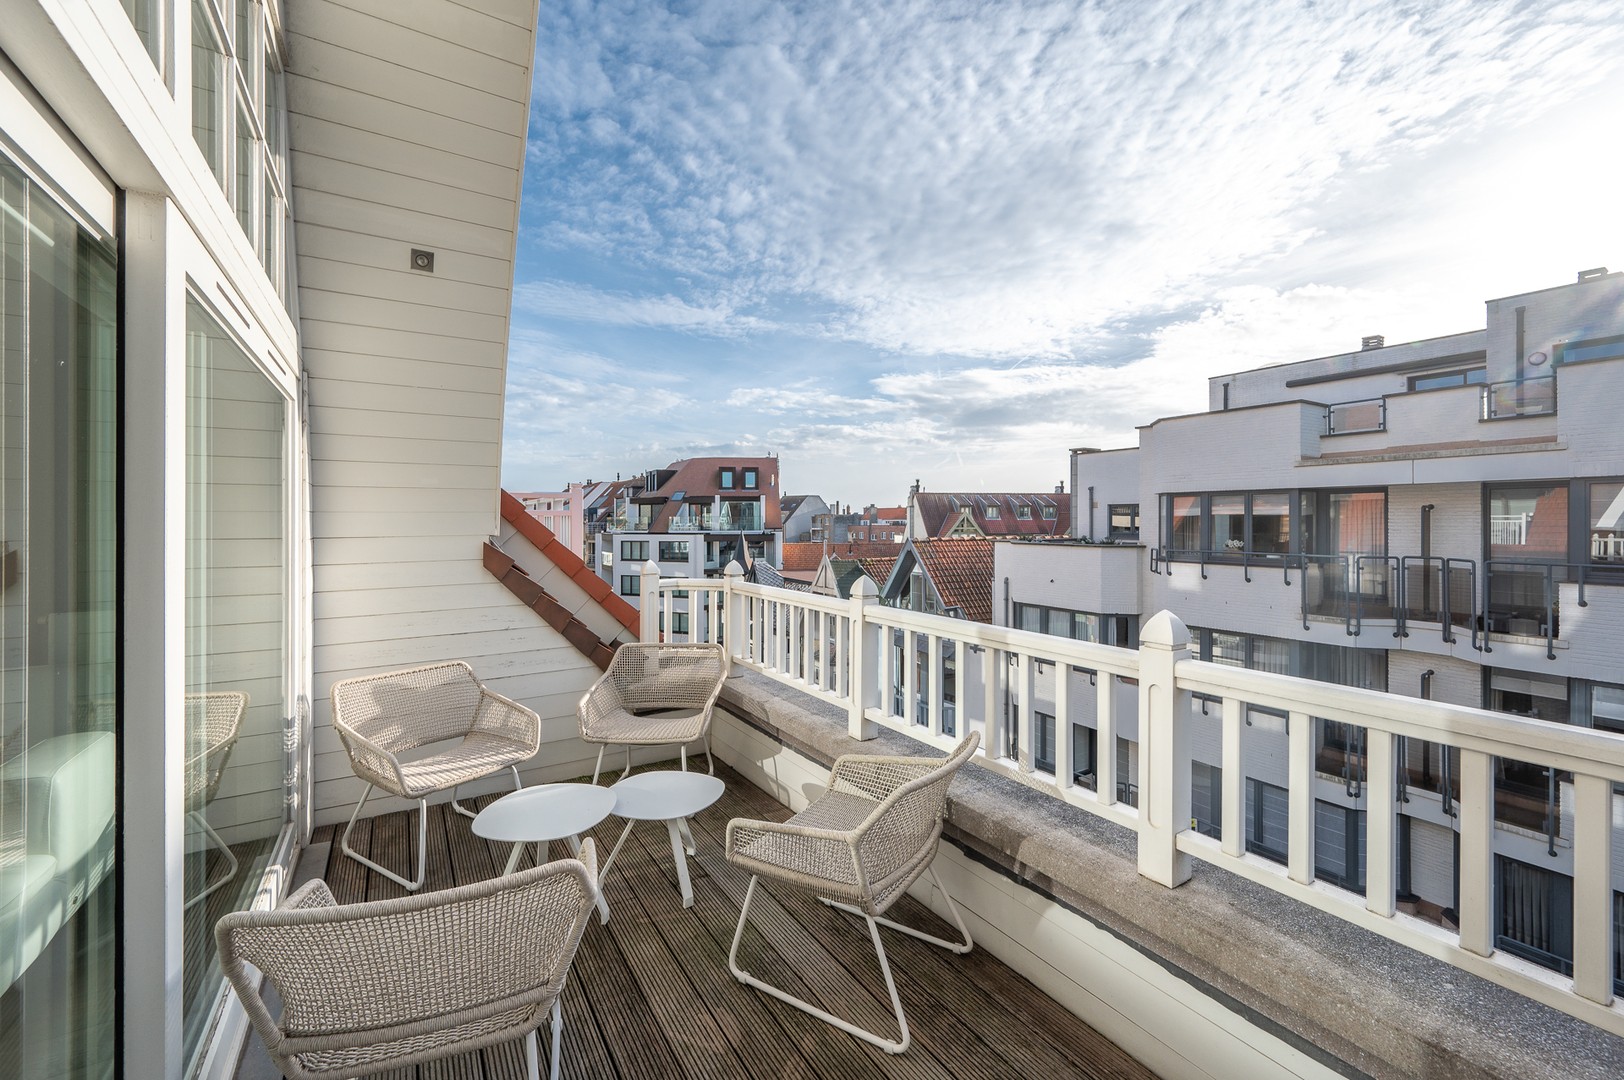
[
  {"x": 1349, "y": 417},
  {"x": 1534, "y": 396}
]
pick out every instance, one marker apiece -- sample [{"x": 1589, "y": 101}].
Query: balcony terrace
[{"x": 650, "y": 994}]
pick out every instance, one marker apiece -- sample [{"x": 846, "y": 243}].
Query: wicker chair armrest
[
  {"x": 877, "y": 776},
  {"x": 372, "y": 757},
  {"x": 312, "y": 894},
  {"x": 830, "y": 847},
  {"x": 507, "y": 719}
]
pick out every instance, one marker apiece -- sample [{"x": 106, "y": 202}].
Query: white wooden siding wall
[
  {"x": 408, "y": 121},
  {"x": 242, "y": 591}
]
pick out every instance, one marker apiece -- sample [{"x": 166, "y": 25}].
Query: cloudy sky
[{"x": 899, "y": 239}]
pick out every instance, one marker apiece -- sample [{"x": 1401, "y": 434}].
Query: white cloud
[
  {"x": 570, "y": 302},
  {"x": 1003, "y": 180}
]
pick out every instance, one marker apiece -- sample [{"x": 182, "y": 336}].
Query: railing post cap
[
  {"x": 733, "y": 570},
  {"x": 865, "y": 589},
  {"x": 651, "y": 567},
  {"x": 1165, "y": 630}
]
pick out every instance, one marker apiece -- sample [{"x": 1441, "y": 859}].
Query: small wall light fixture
[{"x": 423, "y": 260}]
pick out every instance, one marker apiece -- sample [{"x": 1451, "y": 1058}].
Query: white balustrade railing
[{"x": 933, "y": 678}]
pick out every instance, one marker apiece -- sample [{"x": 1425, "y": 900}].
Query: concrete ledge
[{"x": 1348, "y": 1001}]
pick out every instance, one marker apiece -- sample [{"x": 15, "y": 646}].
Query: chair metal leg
[
  {"x": 674, "y": 829},
  {"x": 214, "y": 837},
  {"x": 710, "y": 762},
  {"x": 531, "y": 1069},
  {"x": 627, "y": 771},
  {"x": 465, "y": 812},
  {"x": 422, "y": 844},
  {"x": 598, "y": 768},
  {"x": 960, "y": 947},
  {"x": 558, "y": 1037},
  {"x": 888, "y": 1045}
]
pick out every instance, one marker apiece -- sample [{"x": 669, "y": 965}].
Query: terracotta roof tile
[
  {"x": 961, "y": 569},
  {"x": 809, "y": 556}
]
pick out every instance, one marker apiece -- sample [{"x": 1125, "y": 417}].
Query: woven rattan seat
[
  {"x": 654, "y": 695},
  {"x": 379, "y": 718},
  {"x": 858, "y": 846},
  {"x": 367, "y": 988}
]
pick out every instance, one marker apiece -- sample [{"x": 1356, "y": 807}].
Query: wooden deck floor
[{"x": 650, "y": 995}]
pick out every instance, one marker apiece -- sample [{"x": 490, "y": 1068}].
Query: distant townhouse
[
  {"x": 692, "y": 518},
  {"x": 802, "y": 516},
  {"x": 561, "y": 511},
  {"x": 1439, "y": 519}
]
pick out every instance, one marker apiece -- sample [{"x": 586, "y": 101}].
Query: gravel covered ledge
[{"x": 1220, "y": 977}]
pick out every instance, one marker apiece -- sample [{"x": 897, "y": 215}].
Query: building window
[
  {"x": 633, "y": 550},
  {"x": 1023, "y": 513},
  {"x": 991, "y": 513},
  {"x": 631, "y": 584},
  {"x": 1119, "y": 630},
  {"x": 1605, "y": 509},
  {"x": 208, "y": 88},
  {"x": 751, "y": 479},
  {"x": 724, "y": 479},
  {"x": 1528, "y": 521},
  {"x": 1443, "y": 379},
  {"x": 1048, "y": 514},
  {"x": 1578, "y": 352},
  {"x": 1226, "y": 523},
  {"x": 1123, "y": 519},
  {"x": 679, "y": 622},
  {"x": 673, "y": 551}
]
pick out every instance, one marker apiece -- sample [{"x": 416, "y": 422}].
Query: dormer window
[
  {"x": 751, "y": 479},
  {"x": 1024, "y": 513},
  {"x": 1048, "y": 513},
  {"x": 992, "y": 513},
  {"x": 725, "y": 479}
]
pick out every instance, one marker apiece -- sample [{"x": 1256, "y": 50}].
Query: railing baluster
[
  {"x": 1233, "y": 779},
  {"x": 1062, "y": 727},
  {"x": 960, "y": 715},
  {"x": 1300, "y": 798},
  {"x": 1593, "y": 888},
  {"x": 910, "y": 664},
  {"x": 888, "y": 651},
  {"x": 1381, "y": 777},
  {"x": 992, "y": 725},
  {"x": 792, "y": 659},
  {"x": 933, "y": 681},
  {"x": 1105, "y": 737},
  {"x": 1023, "y": 716},
  {"x": 1476, "y": 852}
]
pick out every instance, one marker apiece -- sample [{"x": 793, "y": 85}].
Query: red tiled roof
[
  {"x": 543, "y": 540},
  {"x": 961, "y": 569},
  {"x": 878, "y": 567},
  {"x": 809, "y": 556},
  {"x": 939, "y": 511}
]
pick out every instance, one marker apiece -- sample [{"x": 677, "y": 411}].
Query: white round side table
[
  {"x": 671, "y": 797},
  {"x": 544, "y": 813}
]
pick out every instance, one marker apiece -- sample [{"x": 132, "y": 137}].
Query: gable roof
[
  {"x": 959, "y": 568},
  {"x": 993, "y": 513}
]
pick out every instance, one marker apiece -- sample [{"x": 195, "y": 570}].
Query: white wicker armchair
[
  {"x": 214, "y": 719},
  {"x": 367, "y": 988},
  {"x": 858, "y": 847},
  {"x": 654, "y": 695},
  {"x": 380, "y": 717}
]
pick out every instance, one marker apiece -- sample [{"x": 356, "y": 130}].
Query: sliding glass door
[{"x": 59, "y": 719}]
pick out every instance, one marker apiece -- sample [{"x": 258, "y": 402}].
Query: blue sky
[{"x": 899, "y": 239}]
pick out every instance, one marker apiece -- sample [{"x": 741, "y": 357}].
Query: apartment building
[
  {"x": 1438, "y": 519},
  {"x": 563, "y": 512},
  {"x": 936, "y": 514},
  {"x": 692, "y": 518}
]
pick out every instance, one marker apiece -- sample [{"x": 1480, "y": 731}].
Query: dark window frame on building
[
  {"x": 1121, "y": 521},
  {"x": 669, "y": 551},
  {"x": 1023, "y": 513},
  {"x": 1443, "y": 380},
  {"x": 1121, "y": 631},
  {"x": 1231, "y": 548},
  {"x": 751, "y": 480},
  {"x": 634, "y": 551},
  {"x": 725, "y": 479},
  {"x": 631, "y": 584}
]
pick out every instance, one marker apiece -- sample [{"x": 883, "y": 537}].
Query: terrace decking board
[{"x": 650, "y": 995}]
